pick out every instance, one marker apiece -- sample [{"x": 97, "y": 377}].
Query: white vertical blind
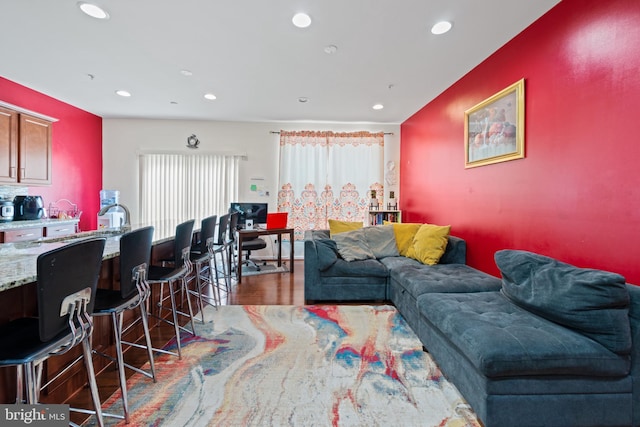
[{"x": 177, "y": 187}]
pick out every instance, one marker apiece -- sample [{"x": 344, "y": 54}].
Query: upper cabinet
[
  {"x": 35, "y": 150},
  {"x": 8, "y": 145},
  {"x": 25, "y": 147}
]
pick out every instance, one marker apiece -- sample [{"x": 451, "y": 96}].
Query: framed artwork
[{"x": 494, "y": 129}]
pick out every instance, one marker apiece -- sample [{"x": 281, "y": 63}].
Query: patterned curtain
[{"x": 328, "y": 175}]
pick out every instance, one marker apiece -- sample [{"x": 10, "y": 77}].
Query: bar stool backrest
[
  {"x": 184, "y": 233},
  {"x": 135, "y": 250},
  {"x": 207, "y": 230},
  {"x": 70, "y": 270},
  {"x": 233, "y": 227},
  {"x": 223, "y": 229}
]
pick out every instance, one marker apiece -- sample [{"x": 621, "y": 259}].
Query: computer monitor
[{"x": 253, "y": 211}]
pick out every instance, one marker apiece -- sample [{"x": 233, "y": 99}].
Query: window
[
  {"x": 177, "y": 187},
  {"x": 328, "y": 175}
]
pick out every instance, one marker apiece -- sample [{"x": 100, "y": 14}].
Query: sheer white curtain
[
  {"x": 177, "y": 187},
  {"x": 328, "y": 175}
]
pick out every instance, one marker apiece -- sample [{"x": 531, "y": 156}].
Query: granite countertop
[
  {"x": 18, "y": 260},
  {"x": 43, "y": 222}
]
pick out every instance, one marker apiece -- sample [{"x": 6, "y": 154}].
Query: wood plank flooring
[{"x": 266, "y": 289}]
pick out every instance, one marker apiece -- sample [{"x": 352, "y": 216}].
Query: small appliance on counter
[
  {"x": 28, "y": 207},
  {"x": 115, "y": 216},
  {"x": 6, "y": 210},
  {"x": 111, "y": 220}
]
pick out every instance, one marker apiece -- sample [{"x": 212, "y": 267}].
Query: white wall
[{"x": 124, "y": 138}]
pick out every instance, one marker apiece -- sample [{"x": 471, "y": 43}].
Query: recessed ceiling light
[
  {"x": 93, "y": 10},
  {"x": 123, "y": 93},
  {"x": 301, "y": 20},
  {"x": 210, "y": 96},
  {"x": 303, "y": 99},
  {"x": 441, "y": 27},
  {"x": 330, "y": 49},
  {"x": 186, "y": 73},
  {"x": 378, "y": 107}
]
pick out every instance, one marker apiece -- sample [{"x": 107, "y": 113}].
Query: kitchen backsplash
[{"x": 8, "y": 192}]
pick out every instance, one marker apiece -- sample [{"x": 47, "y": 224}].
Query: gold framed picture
[{"x": 494, "y": 129}]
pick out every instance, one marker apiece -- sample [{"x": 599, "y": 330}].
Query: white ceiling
[{"x": 248, "y": 53}]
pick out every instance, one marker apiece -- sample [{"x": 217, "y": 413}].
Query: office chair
[
  {"x": 247, "y": 245},
  {"x": 252, "y": 245}
]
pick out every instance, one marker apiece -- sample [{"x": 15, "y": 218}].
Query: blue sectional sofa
[{"x": 548, "y": 345}]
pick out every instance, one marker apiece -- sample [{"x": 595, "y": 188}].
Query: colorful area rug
[{"x": 297, "y": 366}]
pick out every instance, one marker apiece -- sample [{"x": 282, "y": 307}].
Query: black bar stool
[
  {"x": 217, "y": 247},
  {"x": 231, "y": 242},
  {"x": 135, "y": 253},
  {"x": 67, "y": 281},
  {"x": 181, "y": 268},
  {"x": 201, "y": 259}
]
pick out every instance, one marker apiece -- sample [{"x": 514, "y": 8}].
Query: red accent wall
[
  {"x": 76, "y": 150},
  {"x": 576, "y": 195}
]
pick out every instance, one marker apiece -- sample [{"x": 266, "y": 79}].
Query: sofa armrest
[
  {"x": 311, "y": 268},
  {"x": 634, "y": 320},
  {"x": 456, "y": 251}
]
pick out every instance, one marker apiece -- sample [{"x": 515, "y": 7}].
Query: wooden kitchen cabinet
[
  {"x": 34, "y": 158},
  {"x": 8, "y": 145},
  {"x": 25, "y": 148},
  {"x": 59, "y": 230},
  {"x": 21, "y": 235}
]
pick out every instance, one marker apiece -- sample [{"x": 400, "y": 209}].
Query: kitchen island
[
  {"x": 18, "y": 260},
  {"x": 18, "y": 298}
]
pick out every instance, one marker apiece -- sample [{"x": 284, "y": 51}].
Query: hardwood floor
[
  {"x": 270, "y": 289},
  {"x": 266, "y": 289}
]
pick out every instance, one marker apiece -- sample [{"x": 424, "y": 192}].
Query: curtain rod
[{"x": 278, "y": 132}]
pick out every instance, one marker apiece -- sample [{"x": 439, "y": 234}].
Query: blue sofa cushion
[
  {"x": 502, "y": 339},
  {"x": 592, "y": 302},
  {"x": 361, "y": 268},
  {"x": 394, "y": 262},
  {"x": 443, "y": 278}
]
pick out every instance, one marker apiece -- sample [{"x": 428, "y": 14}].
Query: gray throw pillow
[
  {"x": 381, "y": 239},
  {"x": 352, "y": 245},
  {"x": 592, "y": 302}
]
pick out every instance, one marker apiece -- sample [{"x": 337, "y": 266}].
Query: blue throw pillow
[
  {"x": 592, "y": 302},
  {"x": 327, "y": 253}
]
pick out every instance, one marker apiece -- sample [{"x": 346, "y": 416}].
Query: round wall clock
[{"x": 192, "y": 141}]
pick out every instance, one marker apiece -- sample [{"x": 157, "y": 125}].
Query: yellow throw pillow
[
  {"x": 336, "y": 226},
  {"x": 404, "y": 235},
  {"x": 429, "y": 243}
]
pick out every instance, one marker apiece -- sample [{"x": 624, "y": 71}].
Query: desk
[{"x": 252, "y": 234}]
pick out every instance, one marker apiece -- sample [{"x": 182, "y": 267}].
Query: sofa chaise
[{"x": 548, "y": 345}]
